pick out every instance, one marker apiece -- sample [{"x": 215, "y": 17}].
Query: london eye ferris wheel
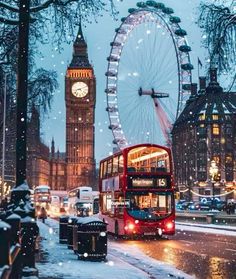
[{"x": 148, "y": 76}]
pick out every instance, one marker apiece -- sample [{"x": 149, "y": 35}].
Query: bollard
[
  {"x": 63, "y": 222},
  {"x": 210, "y": 218},
  {"x": 5, "y": 231},
  {"x": 19, "y": 211},
  {"x": 14, "y": 221},
  {"x": 3, "y": 215},
  {"x": 91, "y": 238},
  {"x": 75, "y": 235},
  {"x": 30, "y": 232},
  {"x": 70, "y": 225}
]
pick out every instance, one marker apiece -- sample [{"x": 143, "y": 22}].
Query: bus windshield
[{"x": 150, "y": 206}]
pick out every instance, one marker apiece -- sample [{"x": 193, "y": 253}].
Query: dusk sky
[{"x": 98, "y": 37}]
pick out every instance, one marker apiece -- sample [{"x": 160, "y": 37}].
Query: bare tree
[
  {"x": 55, "y": 19},
  {"x": 218, "y": 22}
]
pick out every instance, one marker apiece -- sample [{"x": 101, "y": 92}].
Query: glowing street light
[{"x": 213, "y": 171}]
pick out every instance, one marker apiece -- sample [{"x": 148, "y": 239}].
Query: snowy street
[
  {"x": 56, "y": 261},
  {"x": 142, "y": 259}
]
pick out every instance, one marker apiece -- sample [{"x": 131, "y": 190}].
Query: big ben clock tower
[{"x": 80, "y": 97}]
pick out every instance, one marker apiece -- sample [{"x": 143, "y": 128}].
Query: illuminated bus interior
[{"x": 148, "y": 159}]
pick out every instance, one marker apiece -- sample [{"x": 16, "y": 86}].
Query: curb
[{"x": 216, "y": 227}]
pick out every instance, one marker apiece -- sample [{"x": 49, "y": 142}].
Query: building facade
[
  {"x": 75, "y": 167},
  {"x": 38, "y": 167},
  {"x": 204, "y": 136},
  {"x": 80, "y": 98}
]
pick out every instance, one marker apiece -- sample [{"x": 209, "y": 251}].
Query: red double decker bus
[{"x": 137, "y": 191}]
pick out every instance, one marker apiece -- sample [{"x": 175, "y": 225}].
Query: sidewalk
[
  {"x": 123, "y": 261},
  {"x": 217, "y": 218},
  {"x": 211, "y": 228}
]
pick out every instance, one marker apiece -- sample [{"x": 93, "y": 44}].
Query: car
[
  {"x": 205, "y": 206},
  {"x": 178, "y": 204},
  {"x": 186, "y": 205},
  {"x": 221, "y": 205},
  {"x": 200, "y": 206}
]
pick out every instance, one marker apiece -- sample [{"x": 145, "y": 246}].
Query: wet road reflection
[{"x": 206, "y": 256}]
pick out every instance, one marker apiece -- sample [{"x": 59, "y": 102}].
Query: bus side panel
[{"x": 111, "y": 223}]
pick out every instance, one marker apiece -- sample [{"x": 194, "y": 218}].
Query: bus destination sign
[
  {"x": 142, "y": 182},
  {"x": 149, "y": 182}
]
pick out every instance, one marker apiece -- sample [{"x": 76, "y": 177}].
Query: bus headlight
[{"x": 129, "y": 227}]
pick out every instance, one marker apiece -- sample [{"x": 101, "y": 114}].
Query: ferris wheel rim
[{"x": 113, "y": 65}]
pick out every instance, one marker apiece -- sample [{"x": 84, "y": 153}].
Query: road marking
[
  {"x": 221, "y": 241},
  {"x": 187, "y": 242},
  {"x": 230, "y": 249}
]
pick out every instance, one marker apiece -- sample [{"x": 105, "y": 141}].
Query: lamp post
[
  {"x": 4, "y": 135},
  {"x": 213, "y": 171}
]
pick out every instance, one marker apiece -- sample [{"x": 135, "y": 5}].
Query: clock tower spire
[{"x": 80, "y": 98}]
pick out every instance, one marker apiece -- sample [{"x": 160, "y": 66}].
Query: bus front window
[
  {"x": 83, "y": 209},
  {"x": 149, "y": 205}
]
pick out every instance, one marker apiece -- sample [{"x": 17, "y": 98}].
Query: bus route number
[{"x": 161, "y": 182}]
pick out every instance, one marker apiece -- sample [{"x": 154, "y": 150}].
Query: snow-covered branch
[
  {"x": 8, "y": 7},
  {"x": 8, "y": 21},
  {"x": 47, "y": 3}
]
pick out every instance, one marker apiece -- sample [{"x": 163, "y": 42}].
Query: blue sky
[{"x": 98, "y": 37}]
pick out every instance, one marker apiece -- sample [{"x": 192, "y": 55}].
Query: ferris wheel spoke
[{"x": 144, "y": 64}]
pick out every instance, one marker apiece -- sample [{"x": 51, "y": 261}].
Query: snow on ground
[
  {"x": 123, "y": 262},
  {"x": 207, "y": 228}
]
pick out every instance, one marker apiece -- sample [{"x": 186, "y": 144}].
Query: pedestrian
[
  {"x": 232, "y": 208},
  {"x": 43, "y": 214},
  {"x": 228, "y": 208}
]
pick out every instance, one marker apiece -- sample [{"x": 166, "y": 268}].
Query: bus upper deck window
[{"x": 121, "y": 163}]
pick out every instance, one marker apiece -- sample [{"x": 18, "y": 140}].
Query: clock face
[{"x": 79, "y": 89}]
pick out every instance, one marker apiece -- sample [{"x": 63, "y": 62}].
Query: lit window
[
  {"x": 216, "y": 159},
  {"x": 215, "y": 129},
  {"x": 228, "y": 159},
  {"x": 202, "y": 116},
  {"x": 215, "y": 116}
]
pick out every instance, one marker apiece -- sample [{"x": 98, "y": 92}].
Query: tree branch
[
  {"x": 8, "y": 7},
  {"x": 8, "y": 21},
  {"x": 49, "y": 2}
]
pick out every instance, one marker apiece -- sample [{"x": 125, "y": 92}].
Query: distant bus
[
  {"x": 55, "y": 205},
  {"x": 59, "y": 203},
  {"x": 83, "y": 199},
  {"x": 137, "y": 191},
  {"x": 42, "y": 196}
]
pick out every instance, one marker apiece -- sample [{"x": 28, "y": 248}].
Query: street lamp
[
  {"x": 213, "y": 170},
  {"x": 4, "y": 134}
]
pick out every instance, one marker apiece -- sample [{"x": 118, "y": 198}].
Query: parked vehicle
[
  {"x": 178, "y": 204},
  {"x": 186, "y": 205},
  {"x": 221, "y": 205},
  {"x": 200, "y": 206}
]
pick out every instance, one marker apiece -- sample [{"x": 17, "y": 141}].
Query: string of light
[{"x": 209, "y": 196}]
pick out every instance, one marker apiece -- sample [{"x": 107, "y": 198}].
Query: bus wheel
[{"x": 116, "y": 229}]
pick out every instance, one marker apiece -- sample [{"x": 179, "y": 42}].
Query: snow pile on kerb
[{"x": 122, "y": 262}]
